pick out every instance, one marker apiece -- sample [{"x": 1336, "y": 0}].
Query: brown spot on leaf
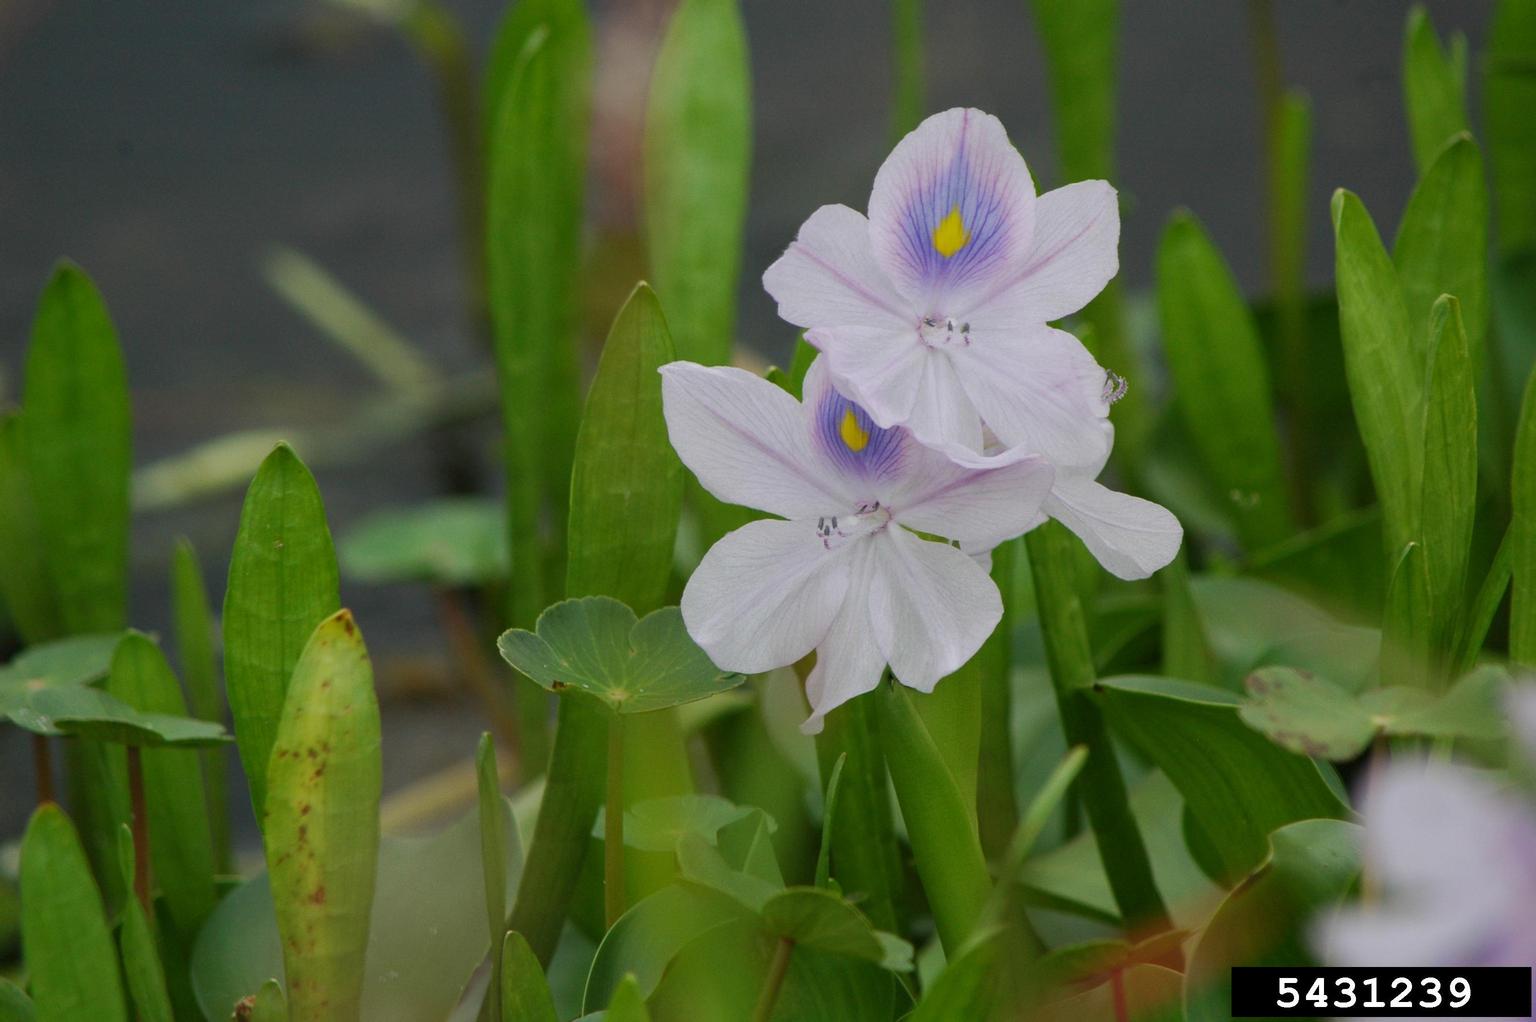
[{"x": 318, "y": 898}]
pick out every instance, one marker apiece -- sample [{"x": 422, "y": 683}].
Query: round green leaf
[
  {"x": 461, "y": 541},
  {"x": 816, "y": 917},
  {"x": 595, "y": 645}
]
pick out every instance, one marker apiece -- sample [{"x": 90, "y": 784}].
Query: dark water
[{"x": 166, "y": 146}]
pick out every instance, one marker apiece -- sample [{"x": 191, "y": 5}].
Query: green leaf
[
  {"x": 1080, "y": 40},
  {"x": 456, "y": 541},
  {"x": 1384, "y": 363},
  {"x": 282, "y": 583},
  {"x": 648, "y": 936},
  {"x": 1509, "y": 95},
  {"x": 71, "y": 963},
  {"x": 1221, "y": 383},
  {"x": 817, "y": 918},
  {"x": 78, "y": 450},
  {"x": 15, "y": 1006},
  {"x": 1306, "y": 714},
  {"x": 180, "y": 839},
  {"x": 93, "y": 714},
  {"x": 699, "y": 863},
  {"x": 26, "y": 591},
  {"x": 193, "y": 626},
  {"x": 1434, "y": 86},
  {"x": 627, "y": 1005},
  {"x": 269, "y": 1004},
  {"x": 1449, "y": 498},
  {"x": 907, "y": 103},
  {"x": 627, "y": 484},
  {"x": 321, "y": 827},
  {"x": 698, "y": 150},
  {"x": 1310, "y": 864},
  {"x": 141, "y": 959},
  {"x": 828, "y": 816},
  {"x": 657, "y": 824},
  {"x": 1405, "y": 631},
  {"x": 525, "y": 995},
  {"x": 79, "y": 660},
  {"x": 1186, "y": 650},
  {"x": 566, "y": 20},
  {"x": 426, "y": 932},
  {"x": 595, "y": 645},
  {"x": 1442, "y": 246},
  {"x": 940, "y": 824},
  {"x": 537, "y": 166},
  {"x": 864, "y": 848},
  {"x": 1522, "y": 535},
  {"x": 493, "y": 843},
  {"x": 1237, "y": 785}
]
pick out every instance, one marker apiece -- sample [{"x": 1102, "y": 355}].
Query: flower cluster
[{"x": 943, "y": 416}]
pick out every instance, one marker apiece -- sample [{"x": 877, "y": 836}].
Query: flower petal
[
  {"x": 764, "y": 595},
  {"x": 746, "y": 440},
  {"x": 931, "y": 605},
  {"x": 852, "y": 444},
  {"x": 975, "y": 500},
  {"x": 1129, "y": 536},
  {"x": 880, "y": 369},
  {"x": 944, "y": 413},
  {"x": 952, "y": 212},
  {"x": 848, "y": 662},
  {"x": 1073, "y": 254},
  {"x": 828, "y": 276},
  {"x": 1038, "y": 389}
]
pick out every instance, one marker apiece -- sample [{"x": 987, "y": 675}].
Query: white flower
[
  {"x": 932, "y": 312},
  {"x": 847, "y": 573},
  {"x": 1453, "y": 856}
]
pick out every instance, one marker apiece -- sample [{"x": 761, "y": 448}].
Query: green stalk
[
  {"x": 42, "y": 766},
  {"x": 1101, "y": 786},
  {"x": 997, "y": 812},
  {"x": 940, "y": 825},
  {"x": 863, "y": 839},
  {"x": 774, "y": 981},
  {"x": 613, "y": 823},
  {"x": 907, "y": 44}
]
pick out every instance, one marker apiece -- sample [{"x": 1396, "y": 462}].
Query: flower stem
[
  {"x": 42, "y": 764},
  {"x": 1070, "y": 658},
  {"x": 774, "y": 981},
  {"x": 140, "y": 829},
  {"x": 613, "y": 823}
]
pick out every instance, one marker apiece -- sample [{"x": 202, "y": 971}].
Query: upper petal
[
  {"x": 880, "y": 369},
  {"x": 943, "y": 412},
  {"x": 1129, "y": 536},
  {"x": 1073, "y": 254},
  {"x": 764, "y": 595},
  {"x": 746, "y": 441},
  {"x": 864, "y": 454},
  {"x": 1038, "y": 389},
  {"x": 828, "y": 276},
  {"x": 975, "y": 500},
  {"x": 952, "y": 211},
  {"x": 931, "y": 606}
]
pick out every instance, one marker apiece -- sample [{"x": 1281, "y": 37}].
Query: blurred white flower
[
  {"x": 1451, "y": 857},
  {"x": 848, "y": 574}
]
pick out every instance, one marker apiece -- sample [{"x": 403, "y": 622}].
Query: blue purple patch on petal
[{"x": 850, "y": 438}]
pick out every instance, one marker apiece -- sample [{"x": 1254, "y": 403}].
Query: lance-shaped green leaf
[
  {"x": 627, "y": 484},
  {"x": 1509, "y": 96},
  {"x": 828, "y": 815},
  {"x": 1405, "y": 628},
  {"x": 627, "y": 1004},
  {"x": 1434, "y": 86},
  {"x": 1310, "y": 864},
  {"x": 25, "y": 588},
  {"x": 907, "y": 102},
  {"x": 1080, "y": 41},
  {"x": 71, "y": 963},
  {"x": 698, "y": 150},
  {"x": 193, "y": 625},
  {"x": 427, "y": 931},
  {"x": 536, "y": 156},
  {"x": 1384, "y": 365},
  {"x": 525, "y": 995},
  {"x": 596, "y": 645},
  {"x": 1441, "y": 246},
  {"x": 78, "y": 450},
  {"x": 864, "y": 851},
  {"x": 15, "y": 1006},
  {"x": 1308, "y": 715},
  {"x": 1221, "y": 383},
  {"x": 141, "y": 958},
  {"x": 282, "y": 583},
  {"x": 457, "y": 541},
  {"x": 180, "y": 839},
  {"x": 322, "y": 822},
  {"x": 1237, "y": 784},
  {"x": 1522, "y": 535},
  {"x": 1449, "y": 501}
]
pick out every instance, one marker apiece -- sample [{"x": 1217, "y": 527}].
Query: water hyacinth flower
[
  {"x": 844, "y": 570},
  {"x": 1453, "y": 856},
  {"x": 933, "y": 311}
]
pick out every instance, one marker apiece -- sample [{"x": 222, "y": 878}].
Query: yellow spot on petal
[
  {"x": 856, "y": 437},
  {"x": 951, "y": 236}
]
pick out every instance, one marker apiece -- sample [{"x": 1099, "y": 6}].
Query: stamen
[{"x": 1115, "y": 386}]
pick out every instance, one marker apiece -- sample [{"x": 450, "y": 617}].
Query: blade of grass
[{"x": 192, "y": 623}]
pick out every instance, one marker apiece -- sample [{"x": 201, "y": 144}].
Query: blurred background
[{"x": 178, "y": 150}]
